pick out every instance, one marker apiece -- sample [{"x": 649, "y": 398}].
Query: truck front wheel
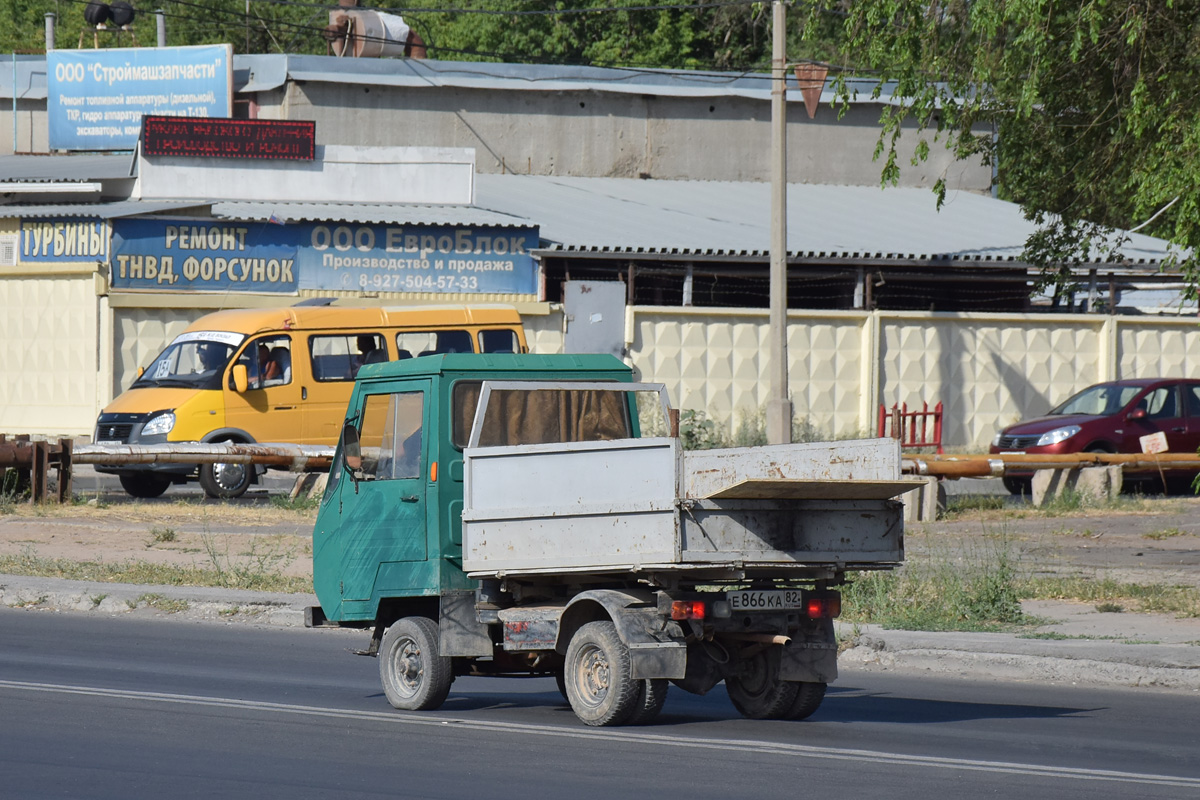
[
  {"x": 598, "y": 683},
  {"x": 415, "y": 676}
]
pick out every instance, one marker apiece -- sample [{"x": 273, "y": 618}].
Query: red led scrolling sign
[{"x": 208, "y": 137}]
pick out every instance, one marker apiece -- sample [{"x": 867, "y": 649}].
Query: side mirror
[
  {"x": 141, "y": 371},
  {"x": 352, "y": 453},
  {"x": 241, "y": 379},
  {"x": 1136, "y": 414}
]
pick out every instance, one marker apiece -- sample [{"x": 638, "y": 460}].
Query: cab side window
[
  {"x": 1192, "y": 393},
  {"x": 391, "y": 434},
  {"x": 339, "y": 358}
]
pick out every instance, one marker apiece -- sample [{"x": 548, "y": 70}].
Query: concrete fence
[{"x": 989, "y": 370}]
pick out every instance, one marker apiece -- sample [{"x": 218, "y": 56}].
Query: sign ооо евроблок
[{"x": 187, "y": 255}]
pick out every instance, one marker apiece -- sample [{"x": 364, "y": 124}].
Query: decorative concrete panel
[{"x": 48, "y": 355}]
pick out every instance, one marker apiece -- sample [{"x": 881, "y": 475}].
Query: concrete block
[
  {"x": 925, "y": 501},
  {"x": 1099, "y": 484}
]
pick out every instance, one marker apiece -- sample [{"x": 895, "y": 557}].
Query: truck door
[{"x": 381, "y": 519}]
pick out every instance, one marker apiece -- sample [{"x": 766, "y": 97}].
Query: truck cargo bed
[{"x": 646, "y": 505}]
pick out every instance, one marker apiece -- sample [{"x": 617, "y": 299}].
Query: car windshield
[
  {"x": 195, "y": 359},
  {"x": 1099, "y": 401}
]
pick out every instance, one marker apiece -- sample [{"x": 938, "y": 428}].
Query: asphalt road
[{"x": 120, "y": 708}]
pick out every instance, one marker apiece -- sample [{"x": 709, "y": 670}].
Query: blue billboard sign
[
  {"x": 203, "y": 256},
  {"x": 96, "y": 98},
  {"x": 191, "y": 255},
  {"x": 63, "y": 240},
  {"x": 419, "y": 258}
]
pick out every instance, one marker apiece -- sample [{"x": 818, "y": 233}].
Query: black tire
[
  {"x": 561, "y": 681},
  {"x": 1018, "y": 486},
  {"x": 757, "y": 693},
  {"x": 651, "y": 697},
  {"x": 414, "y": 674},
  {"x": 144, "y": 485},
  {"x": 225, "y": 481},
  {"x": 808, "y": 699},
  {"x": 599, "y": 687}
]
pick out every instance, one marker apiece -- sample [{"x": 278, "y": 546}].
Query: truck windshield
[{"x": 195, "y": 359}]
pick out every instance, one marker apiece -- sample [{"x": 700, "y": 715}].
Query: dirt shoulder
[
  {"x": 1154, "y": 540},
  {"x": 181, "y": 534}
]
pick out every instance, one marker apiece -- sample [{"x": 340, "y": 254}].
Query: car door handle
[
  {"x": 409, "y": 498},
  {"x": 283, "y": 408},
  {"x": 1178, "y": 430}
]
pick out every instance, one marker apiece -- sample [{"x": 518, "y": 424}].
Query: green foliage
[
  {"x": 604, "y": 33},
  {"x": 1093, "y": 107},
  {"x": 972, "y": 590}
]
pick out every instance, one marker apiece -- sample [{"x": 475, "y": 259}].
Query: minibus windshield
[{"x": 196, "y": 359}]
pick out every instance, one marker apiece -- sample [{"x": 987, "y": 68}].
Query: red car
[{"x": 1108, "y": 418}]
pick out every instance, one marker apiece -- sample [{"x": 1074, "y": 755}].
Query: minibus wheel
[
  {"x": 144, "y": 485},
  {"x": 225, "y": 481}
]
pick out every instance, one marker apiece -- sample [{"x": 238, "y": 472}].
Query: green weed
[
  {"x": 1166, "y": 533},
  {"x": 959, "y": 505},
  {"x": 975, "y": 589},
  {"x": 160, "y": 602},
  {"x": 161, "y": 535},
  {"x": 1183, "y": 601},
  {"x": 301, "y": 503}
]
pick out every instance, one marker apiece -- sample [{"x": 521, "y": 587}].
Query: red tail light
[
  {"x": 687, "y": 609},
  {"x": 823, "y": 606}
]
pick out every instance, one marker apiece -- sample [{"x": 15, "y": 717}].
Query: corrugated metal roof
[
  {"x": 368, "y": 213},
  {"x": 263, "y": 72},
  {"x": 49, "y": 168},
  {"x": 263, "y": 75},
  {"x": 732, "y": 219},
  {"x": 114, "y": 210}
]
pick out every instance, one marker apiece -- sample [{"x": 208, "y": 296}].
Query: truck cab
[{"x": 388, "y": 535}]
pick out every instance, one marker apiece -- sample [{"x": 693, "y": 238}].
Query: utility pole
[{"x": 779, "y": 406}]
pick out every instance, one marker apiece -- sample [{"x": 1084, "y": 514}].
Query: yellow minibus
[{"x": 277, "y": 375}]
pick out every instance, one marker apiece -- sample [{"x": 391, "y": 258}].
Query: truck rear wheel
[
  {"x": 809, "y": 695},
  {"x": 415, "y": 676},
  {"x": 651, "y": 697},
  {"x": 756, "y": 691},
  {"x": 599, "y": 687}
]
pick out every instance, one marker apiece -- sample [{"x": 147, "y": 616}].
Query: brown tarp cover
[{"x": 545, "y": 416}]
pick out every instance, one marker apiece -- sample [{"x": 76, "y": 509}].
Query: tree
[{"x": 1089, "y": 109}]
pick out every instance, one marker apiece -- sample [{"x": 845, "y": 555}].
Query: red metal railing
[{"x": 912, "y": 427}]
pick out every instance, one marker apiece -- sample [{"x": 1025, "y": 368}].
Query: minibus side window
[
  {"x": 429, "y": 343},
  {"x": 338, "y": 358},
  {"x": 501, "y": 341}
]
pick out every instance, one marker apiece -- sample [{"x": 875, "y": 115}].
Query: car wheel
[{"x": 1017, "y": 486}]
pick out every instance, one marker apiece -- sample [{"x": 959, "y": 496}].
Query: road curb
[
  {"x": 1006, "y": 657},
  {"x": 174, "y": 602}
]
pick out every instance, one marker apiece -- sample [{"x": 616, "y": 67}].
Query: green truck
[{"x": 512, "y": 515}]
